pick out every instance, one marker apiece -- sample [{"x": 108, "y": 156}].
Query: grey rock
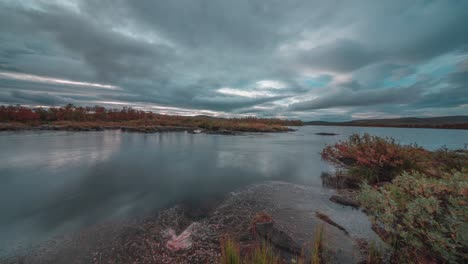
[
  {"x": 344, "y": 201},
  {"x": 325, "y": 134},
  {"x": 277, "y": 237}
]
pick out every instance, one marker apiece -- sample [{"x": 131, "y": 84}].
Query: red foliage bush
[
  {"x": 142, "y": 118},
  {"x": 373, "y": 158}
]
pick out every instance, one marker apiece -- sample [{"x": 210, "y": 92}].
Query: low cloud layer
[{"x": 330, "y": 60}]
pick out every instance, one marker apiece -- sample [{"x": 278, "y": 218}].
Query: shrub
[
  {"x": 375, "y": 159},
  {"x": 372, "y": 158},
  {"x": 446, "y": 160},
  {"x": 128, "y": 115},
  {"x": 424, "y": 217}
]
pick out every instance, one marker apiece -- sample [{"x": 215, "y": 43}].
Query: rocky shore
[{"x": 184, "y": 234}]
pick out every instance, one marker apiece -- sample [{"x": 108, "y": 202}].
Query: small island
[{"x": 97, "y": 118}]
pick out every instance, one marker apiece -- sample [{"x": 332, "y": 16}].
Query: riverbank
[
  {"x": 139, "y": 128},
  {"x": 184, "y": 234},
  {"x": 443, "y": 122},
  {"x": 70, "y": 117},
  {"x": 408, "y": 192}
]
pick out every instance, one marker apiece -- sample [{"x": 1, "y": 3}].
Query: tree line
[{"x": 70, "y": 112}]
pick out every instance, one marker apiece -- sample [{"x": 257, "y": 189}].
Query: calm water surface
[{"x": 53, "y": 182}]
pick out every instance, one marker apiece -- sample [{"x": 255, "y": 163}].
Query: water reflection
[{"x": 54, "y": 182}]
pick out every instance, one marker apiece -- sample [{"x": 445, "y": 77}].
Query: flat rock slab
[
  {"x": 293, "y": 209},
  {"x": 278, "y": 237}
]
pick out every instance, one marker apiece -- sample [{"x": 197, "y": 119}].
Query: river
[{"x": 54, "y": 182}]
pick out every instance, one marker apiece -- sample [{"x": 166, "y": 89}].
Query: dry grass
[
  {"x": 318, "y": 249},
  {"x": 374, "y": 254},
  {"x": 263, "y": 254},
  {"x": 230, "y": 253},
  {"x": 260, "y": 254}
]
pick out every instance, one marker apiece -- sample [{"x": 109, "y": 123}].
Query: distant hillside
[{"x": 451, "y": 122}]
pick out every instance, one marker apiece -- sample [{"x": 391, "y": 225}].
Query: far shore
[
  {"x": 77, "y": 118},
  {"x": 448, "y": 126},
  {"x": 441, "y": 122},
  {"x": 131, "y": 127}
]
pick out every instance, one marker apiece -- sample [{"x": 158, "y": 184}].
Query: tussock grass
[
  {"x": 230, "y": 253},
  {"x": 318, "y": 248},
  {"x": 263, "y": 254},
  {"x": 374, "y": 254}
]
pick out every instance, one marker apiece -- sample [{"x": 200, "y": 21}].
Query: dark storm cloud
[
  {"x": 397, "y": 100},
  {"x": 371, "y": 97},
  {"x": 341, "y": 55},
  {"x": 402, "y": 33},
  {"x": 38, "y": 98},
  {"x": 456, "y": 94},
  {"x": 235, "y": 26},
  {"x": 111, "y": 54},
  {"x": 225, "y": 103},
  {"x": 182, "y": 53}
]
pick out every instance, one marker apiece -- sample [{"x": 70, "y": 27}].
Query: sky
[{"x": 302, "y": 59}]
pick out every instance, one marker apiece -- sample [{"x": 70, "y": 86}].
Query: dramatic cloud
[
  {"x": 294, "y": 59},
  {"x": 40, "y": 79},
  {"x": 360, "y": 98},
  {"x": 341, "y": 55}
]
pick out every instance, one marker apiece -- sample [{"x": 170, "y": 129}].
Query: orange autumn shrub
[
  {"x": 127, "y": 116},
  {"x": 422, "y": 208},
  {"x": 375, "y": 159}
]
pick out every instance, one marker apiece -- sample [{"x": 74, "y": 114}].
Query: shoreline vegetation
[
  {"x": 72, "y": 118},
  {"x": 415, "y": 198},
  {"x": 98, "y": 118}
]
